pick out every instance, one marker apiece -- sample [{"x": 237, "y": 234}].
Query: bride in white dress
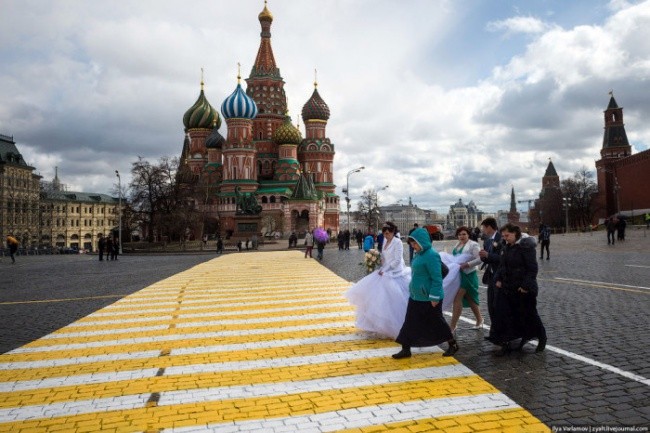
[{"x": 381, "y": 297}]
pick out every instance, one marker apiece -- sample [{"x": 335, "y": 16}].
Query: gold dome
[{"x": 265, "y": 14}]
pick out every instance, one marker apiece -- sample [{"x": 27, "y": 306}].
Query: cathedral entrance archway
[{"x": 300, "y": 221}]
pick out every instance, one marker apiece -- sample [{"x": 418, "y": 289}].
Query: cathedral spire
[
  {"x": 265, "y": 61},
  {"x": 513, "y": 203}
]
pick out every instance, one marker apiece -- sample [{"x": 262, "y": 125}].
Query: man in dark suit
[{"x": 490, "y": 256}]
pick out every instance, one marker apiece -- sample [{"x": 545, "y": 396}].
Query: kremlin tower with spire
[{"x": 263, "y": 155}]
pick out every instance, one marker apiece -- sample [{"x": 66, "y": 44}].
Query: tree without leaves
[
  {"x": 154, "y": 196},
  {"x": 367, "y": 211},
  {"x": 580, "y": 190}
]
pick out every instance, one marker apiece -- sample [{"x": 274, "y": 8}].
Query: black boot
[
  {"x": 541, "y": 345},
  {"x": 404, "y": 353},
  {"x": 453, "y": 348}
]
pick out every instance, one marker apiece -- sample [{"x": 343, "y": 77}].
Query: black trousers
[{"x": 545, "y": 245}]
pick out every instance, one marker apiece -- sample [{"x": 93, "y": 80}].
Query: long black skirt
[{"x": 423, "y": 325}]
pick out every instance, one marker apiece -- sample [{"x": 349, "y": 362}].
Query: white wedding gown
[
  {"x": 451, "y": 283},
  {"x": 381, "y": 300}
]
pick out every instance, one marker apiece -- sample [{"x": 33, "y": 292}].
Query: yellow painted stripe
[
  {"x": 218, "y": 315},
  {"x": 176, "y": 344},
  {"x": 196, "y": 414},
  {"x": 217, "y": 379},
  {"x": 500, "y": 421},
  {"x": 181, "y": 360},
  {"x": 189, "y": 330}
]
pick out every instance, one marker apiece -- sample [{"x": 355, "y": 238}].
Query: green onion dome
[{"x": 201, "y": 114}]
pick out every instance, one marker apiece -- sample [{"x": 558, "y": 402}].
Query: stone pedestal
[{"x": 247, "y": 226}]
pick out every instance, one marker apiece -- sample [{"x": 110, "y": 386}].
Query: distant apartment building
[
  {"x": 76, "y": 219},
  {"x": 19, "y": 195},
  {"x": 40, "y": 213},
  {"x": 461, "y": 214}
]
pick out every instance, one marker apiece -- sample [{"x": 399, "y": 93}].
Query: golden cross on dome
[
  {"x": 202, "y": 79},
  {"x": 238, "y": 72},
  {"x": 315, "y": 78}
]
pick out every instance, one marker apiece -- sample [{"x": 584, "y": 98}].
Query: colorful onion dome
[
  {"x": 265, "y": 14},
  {"x": 215, "y": 140},
  {"x": 239, "y": 105},
  {"x": 287, "y": 133},
  {"x": 315, "y": 108},
  {"x": 201, "y": 114}
]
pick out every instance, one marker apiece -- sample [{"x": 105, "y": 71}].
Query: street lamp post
[
  {"x": 377, "y": 206},
  {"x": 567, "y": 201},
  {"x": 119, "y": 227},
  {"x": 347, "y": 190}
]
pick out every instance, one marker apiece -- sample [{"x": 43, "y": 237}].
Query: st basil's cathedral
[{"x": 263, "y": 154}]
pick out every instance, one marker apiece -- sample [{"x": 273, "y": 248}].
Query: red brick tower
[{"x": 615, "y": 147}]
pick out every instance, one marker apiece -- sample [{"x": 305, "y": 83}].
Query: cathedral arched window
[
  {"x": 264, "y": 199},
  {"x": 272, "y": 199}
]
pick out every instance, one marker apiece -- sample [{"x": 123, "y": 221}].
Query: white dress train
[
  {"x": 451, "y": 283},
  {"x": 381, "y": 300}
]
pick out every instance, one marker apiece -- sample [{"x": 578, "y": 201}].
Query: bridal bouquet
[{"x": 371, "y": 260}]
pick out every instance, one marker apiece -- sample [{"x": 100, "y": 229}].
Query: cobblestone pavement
[
  {"x": 112, "y": 373},
  {"x": 594, "y": 301},
  {"x": 260, "y": 342}
]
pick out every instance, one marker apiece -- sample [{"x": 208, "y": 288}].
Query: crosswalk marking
[{"x": 219, "y": 348}]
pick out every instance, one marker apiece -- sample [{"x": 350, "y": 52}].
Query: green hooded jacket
[{"x": 426, "y": 270}]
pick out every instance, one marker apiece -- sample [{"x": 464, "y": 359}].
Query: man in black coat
[{"x": 490, "y": 256}]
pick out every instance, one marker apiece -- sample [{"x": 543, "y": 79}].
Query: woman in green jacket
[{"x": 424, "y": 324}]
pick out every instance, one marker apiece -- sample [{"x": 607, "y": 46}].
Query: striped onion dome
[
  {"x": 201, "y": 114},
  {"x": 315, "y": 108},
  {"x": 287, "y": 133},
  {"x": 239, "y": 105}
]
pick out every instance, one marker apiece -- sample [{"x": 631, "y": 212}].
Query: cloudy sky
[{"x": 439, "y": 99}]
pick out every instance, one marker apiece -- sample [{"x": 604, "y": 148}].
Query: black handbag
[{"x": 444, "y": 269}]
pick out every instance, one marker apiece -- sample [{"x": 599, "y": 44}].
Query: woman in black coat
[{"x": 516, "y": 283}]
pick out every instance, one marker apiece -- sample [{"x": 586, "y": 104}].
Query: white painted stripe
[
  {"x": 177, "y": 337},
  {"x": 638, "y": 266},
  {"x": 313, "y": 294},
  {"x": 626, "y": 374},
  {"x": 84, "y": 379},
  {"x": 64, "y": 334},
  {"x": 67, "y": 408},
  {"x": 104, "y": 313},
  {"x": 281, "y": 362},
  {"x": 340, "y": 314},
  {"x": 359, "y": 336},
  {"x": 81, "y": 379},
  {"x": 253, "y": 345},
  {"x": 228, "y": 293},
  {"x": 602, "y": 282},
  {"x": 47, "y": 363},
  {"x": 599, "y": 364},
  {"x": 314, "y": 385},
  {"x": 85, "y": 324},
  {"x": 81, "y": 324},
  {"x": 363, "y": 416}
]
